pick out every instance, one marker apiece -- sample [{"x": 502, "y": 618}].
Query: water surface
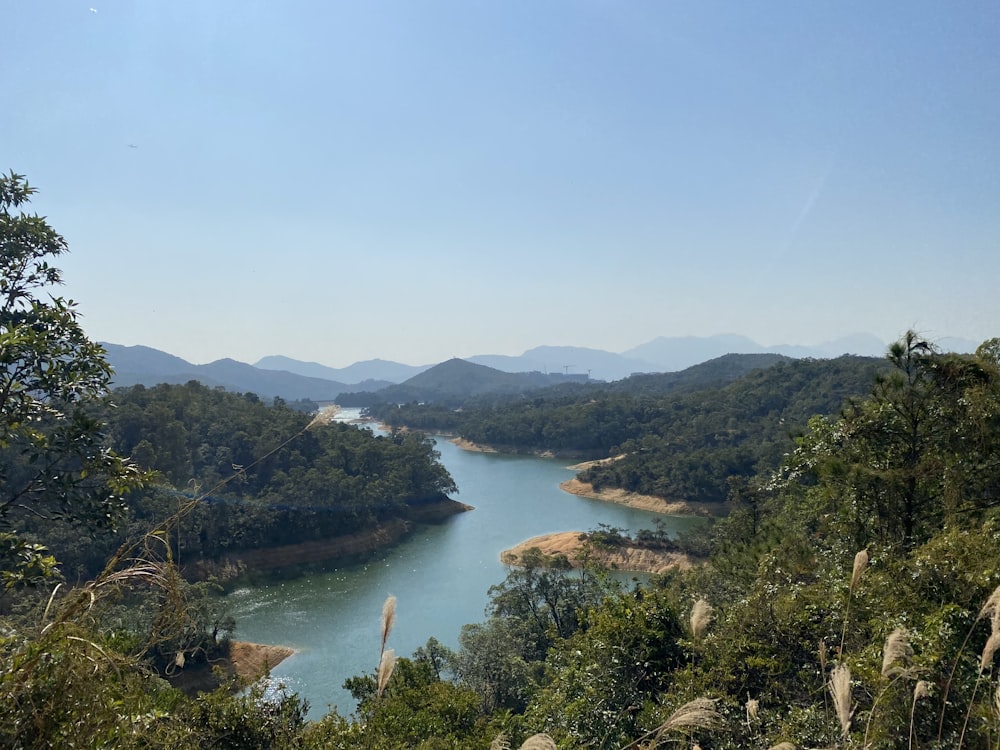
[{"x": 440, "y": 575}]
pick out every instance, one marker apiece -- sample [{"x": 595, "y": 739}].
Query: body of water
[{"x": 440, "y": 575}]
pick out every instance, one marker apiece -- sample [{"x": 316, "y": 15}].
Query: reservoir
[{"x": 440, "y": 575}]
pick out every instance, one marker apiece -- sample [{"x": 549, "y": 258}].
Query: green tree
[
  {"x": 542, "y": 599},
  {"x": 417, "y": 710},
  {"x": 53, "y": 458},
  {"x": 605, "y": 676},
  {"x": 920, "y": 450}
]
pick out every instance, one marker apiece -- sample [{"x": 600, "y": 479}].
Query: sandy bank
[
  {"x": 571, "y": 544},
  {"x": 642, "y": 502},
  {"x": 247, "y": 661},
  {"x": 468, "y": 445},
  {"x": 251, "y": 660},
  {"x": 598, "y": 462}
]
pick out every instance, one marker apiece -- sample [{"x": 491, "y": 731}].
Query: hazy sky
[{"x": 335, "y": 181}]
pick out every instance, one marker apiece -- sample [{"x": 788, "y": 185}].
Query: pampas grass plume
[
  {"x": 860, "y": 565},
  {"x": 921, "y": 690},
  {"x": 989, "y": 650},
  {"x": 992, "y": 607},
  {"x": 897, "y": 649},
  {"x": 840, "y": 691},
  {"x": 782, "y": 746},
  {"x": 753, "y": 710},
  {"x": 539, "y": 742},
  {"x": 385, "y": 667},
  {"x": 697, "y": 714},
  {"x": 701, "y": 616},
  {"x": 388, "y": 618}
]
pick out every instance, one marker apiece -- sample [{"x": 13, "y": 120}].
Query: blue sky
[{"x": 414, "y": 180}]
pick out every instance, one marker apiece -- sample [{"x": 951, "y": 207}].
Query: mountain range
[{"x": 293, "y": 379}]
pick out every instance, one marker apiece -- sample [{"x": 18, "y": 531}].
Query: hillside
[
  {"x": 717, "y": 371},
  {"x": 426, "y": 414},
  {"x": 276, "y": 477},
  {"x": 455, "y": 382},
  {"x": 691, "y": 445},
  {"x": 381, "y": 370},
  {"x": 141, "y": 365}
]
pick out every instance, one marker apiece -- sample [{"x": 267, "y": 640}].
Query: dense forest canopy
[
  {"x": 249, "y": 475},
  {"x": 681, "y": 436}
]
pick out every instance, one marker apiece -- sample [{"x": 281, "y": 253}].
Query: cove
[{"x": 440, "y": 575}]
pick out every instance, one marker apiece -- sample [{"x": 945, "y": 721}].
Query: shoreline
[
  {"x": 347, "y": 547},
  {"x": 641, "y": 502},
  {"x": 468, "y": 445},
  {"x": 246, "y": 662},
  {"x": 252, "y": 660},
  {"x": 574, "y": 544},
  {"x": 652, "y": 503}
]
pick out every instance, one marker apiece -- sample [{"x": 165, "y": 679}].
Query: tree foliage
[
  {"x": 54, "y": 462},
  {"x": 919, "y": 451},
  {"x": 261, "y": 478},
  {"x": 672, "y": 435}
]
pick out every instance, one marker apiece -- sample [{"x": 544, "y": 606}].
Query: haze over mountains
[
  {"x": 663, "y": 354},
  {"x": 294, "y": 379}
]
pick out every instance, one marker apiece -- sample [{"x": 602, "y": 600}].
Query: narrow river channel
[{"x": 440, "y": 575}]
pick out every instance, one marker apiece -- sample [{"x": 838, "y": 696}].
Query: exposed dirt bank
[
  {"x": 642, "y": 502},
  {"x": 247, "y": 661},
  {"x": 571, "y": 544},
  {"x": 597, "y": 462},
  {"x": 322, "y": 550},
  {"x": 513, "y": 450},
  {"x": 468, "y": 445},
  {"x": 251, "y": 660}
]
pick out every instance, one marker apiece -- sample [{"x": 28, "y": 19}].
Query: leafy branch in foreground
[{"x": 54, "y": 462}]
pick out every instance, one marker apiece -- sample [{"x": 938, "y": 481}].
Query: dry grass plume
[
  {"x": 701, "y": 616},
  {"x": 840, "y": 691}
]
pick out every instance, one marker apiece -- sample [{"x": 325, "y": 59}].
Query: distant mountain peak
[{"x": 367, "y": 370}]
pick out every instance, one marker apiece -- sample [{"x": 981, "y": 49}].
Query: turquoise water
[{"x": 440, "y": 575}]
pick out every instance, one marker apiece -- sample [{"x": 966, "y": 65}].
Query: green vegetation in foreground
[{"x": 852, "y": 599}]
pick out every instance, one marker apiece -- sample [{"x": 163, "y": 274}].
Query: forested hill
[
  {"x": 265, "y": 478},
  {"x": 142, "y": 365},
  {"x": 455, "y": 382},
  {"x": 712, "y": 372},
  {"x": 683, "y": 435},
  {"x": 690, "y": 447},
  {"x": 427, "y": 413}
]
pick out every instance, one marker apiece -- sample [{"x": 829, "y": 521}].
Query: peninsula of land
[
  {"x": 245, "y": 661},
  {"x": 580, "y": 488},
  {"x": 574, "y": 546},
  {"x": 635, "y": 500}
]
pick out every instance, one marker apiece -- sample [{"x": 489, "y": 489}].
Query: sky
[{"x": 338, "y": 181}]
